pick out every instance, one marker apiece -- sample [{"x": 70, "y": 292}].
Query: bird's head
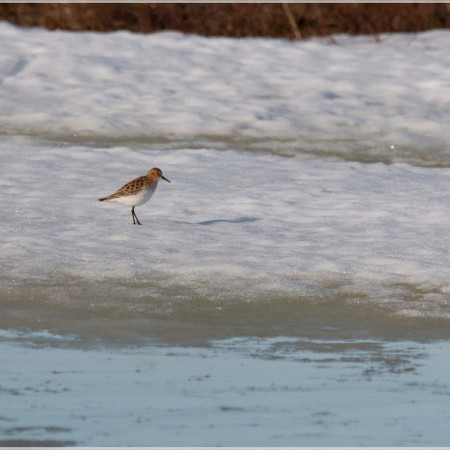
[{"x": 156, "y": 173}]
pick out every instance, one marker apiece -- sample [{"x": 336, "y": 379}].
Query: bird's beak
[{"x": 165, "y": 179}]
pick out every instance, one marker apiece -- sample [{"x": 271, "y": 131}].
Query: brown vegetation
[{"x": 288, "y": 20}]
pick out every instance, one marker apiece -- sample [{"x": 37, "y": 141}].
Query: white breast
[{"x": 137, "y": 199}]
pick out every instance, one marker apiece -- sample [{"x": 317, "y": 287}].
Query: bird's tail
[{"x": 109, "y": 197}]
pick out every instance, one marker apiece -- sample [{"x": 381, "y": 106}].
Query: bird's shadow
[{"x": 240, "y": 220}]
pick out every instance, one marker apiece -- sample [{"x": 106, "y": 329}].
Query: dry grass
[{"x": 228, "y": 19}]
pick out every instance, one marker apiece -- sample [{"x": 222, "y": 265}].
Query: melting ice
[{"x": 292, "y": 210}]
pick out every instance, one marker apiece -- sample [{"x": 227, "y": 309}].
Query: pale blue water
[{"x": 235, "y": 392}]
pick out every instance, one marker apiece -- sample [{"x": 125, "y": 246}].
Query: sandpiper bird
[{"x": 137, "y": 191}]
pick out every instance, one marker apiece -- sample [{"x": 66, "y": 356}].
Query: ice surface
[
  {"x": 83, "y": 113},
  {"x": 230, "y": 223},
  {"x": 356, "y": 98}
]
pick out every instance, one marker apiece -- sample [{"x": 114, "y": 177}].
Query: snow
[
  {"x": 357, "y": 96},
  {"x": 84, "y": 113},
  {"x": 245, "y": 224}
]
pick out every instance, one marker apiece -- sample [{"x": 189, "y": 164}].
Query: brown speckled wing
[{"x": 131, "y": 188}]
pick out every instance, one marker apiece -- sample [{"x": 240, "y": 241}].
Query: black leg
[{"x": 133, "y": 214}]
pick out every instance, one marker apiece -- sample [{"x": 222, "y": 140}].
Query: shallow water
[{"x": 240, "y": 391}]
